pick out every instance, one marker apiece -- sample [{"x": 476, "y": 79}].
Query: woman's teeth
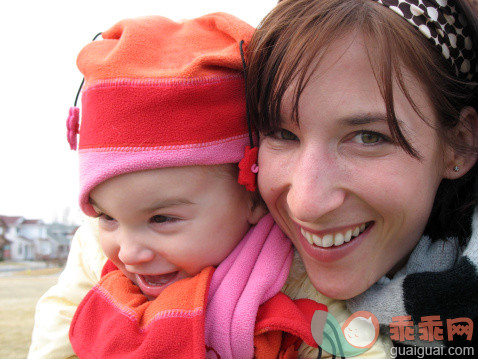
[{"x": 335, "y": 239}]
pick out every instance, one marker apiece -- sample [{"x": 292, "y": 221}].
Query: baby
[{"x": 163, "y": 129}]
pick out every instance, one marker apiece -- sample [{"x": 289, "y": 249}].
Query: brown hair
[{"x": 293, "y": 37}]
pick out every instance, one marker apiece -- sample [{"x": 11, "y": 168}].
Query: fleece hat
[{"x": 159, "y": 93}]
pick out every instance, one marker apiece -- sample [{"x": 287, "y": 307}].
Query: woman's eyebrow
[{"x": 365, "y": 119}]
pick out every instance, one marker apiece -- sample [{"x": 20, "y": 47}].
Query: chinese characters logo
[{"x": 430, "y": 328}]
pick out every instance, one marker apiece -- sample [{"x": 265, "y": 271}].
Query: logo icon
[{"x": 359, "y": 332}]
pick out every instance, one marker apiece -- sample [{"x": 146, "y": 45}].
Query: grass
[{"x": 18, "y": 296}]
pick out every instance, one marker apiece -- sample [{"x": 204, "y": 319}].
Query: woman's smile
[
  {"x": 334, "y": 246},
  {"x": 336, "y": 238}
]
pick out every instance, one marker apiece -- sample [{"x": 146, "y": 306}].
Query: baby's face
[{"x": 163, "y": 225}]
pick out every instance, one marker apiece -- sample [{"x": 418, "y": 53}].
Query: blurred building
[{"x": 23, "y": 239}]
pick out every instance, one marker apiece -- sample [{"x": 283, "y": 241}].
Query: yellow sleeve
[
  {"x": 55, "y": 309},
  {"x": 298, "y": 285}
]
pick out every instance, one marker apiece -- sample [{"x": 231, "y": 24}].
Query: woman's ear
[{"x": 458, "y": 163}]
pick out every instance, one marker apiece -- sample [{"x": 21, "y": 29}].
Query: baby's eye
[
  {"x": 105, "y": 217},
  {"x": 161, "y": 219},
  {"x": 106, "y": 222}
]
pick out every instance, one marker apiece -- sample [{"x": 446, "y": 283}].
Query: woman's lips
[
  {"x": 333, "y": 246},
  {"x": 336, "y": 238},
  {"x": 153, "y": 285}
]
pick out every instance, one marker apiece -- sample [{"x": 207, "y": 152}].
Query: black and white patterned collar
[{"x": 440, "y": 21}]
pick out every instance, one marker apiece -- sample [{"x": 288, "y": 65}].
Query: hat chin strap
[{"x": 248, "y": 167}]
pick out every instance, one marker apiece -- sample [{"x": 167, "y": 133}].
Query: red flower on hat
[
  {"x": 248, "y": 169},
  {"x": 73, "y": 126}
]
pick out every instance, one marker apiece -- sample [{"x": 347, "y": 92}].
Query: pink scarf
[{"x": 252, "y": 274}]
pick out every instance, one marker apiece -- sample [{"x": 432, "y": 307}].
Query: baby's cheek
[{"x": 108, "y": 246}]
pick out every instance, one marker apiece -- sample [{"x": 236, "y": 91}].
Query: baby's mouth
[
  {"x": 153, "y": 285},
  {"x": 159, "y": 280}
]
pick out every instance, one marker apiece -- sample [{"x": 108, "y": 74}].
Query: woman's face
[{"x": 352, "y": 201}]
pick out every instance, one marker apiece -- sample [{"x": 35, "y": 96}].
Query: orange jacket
[{"x": 116, "y": 321}]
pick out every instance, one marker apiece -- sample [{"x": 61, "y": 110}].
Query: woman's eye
[
  {"x": 370, "y": 137},
  {"x": 283, "y": 134}
]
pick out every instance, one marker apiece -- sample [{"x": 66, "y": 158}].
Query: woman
[{"x": 367, "y": 112}]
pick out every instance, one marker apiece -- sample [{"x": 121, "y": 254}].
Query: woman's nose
[
  {"x": 133, "y": 249},
  {"x": 316, "y": 188}
]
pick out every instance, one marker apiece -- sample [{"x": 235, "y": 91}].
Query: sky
[{"x": 39, "y": 79}]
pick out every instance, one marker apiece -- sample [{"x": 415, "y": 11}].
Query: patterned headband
[{"x": 440, "y": 22}]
